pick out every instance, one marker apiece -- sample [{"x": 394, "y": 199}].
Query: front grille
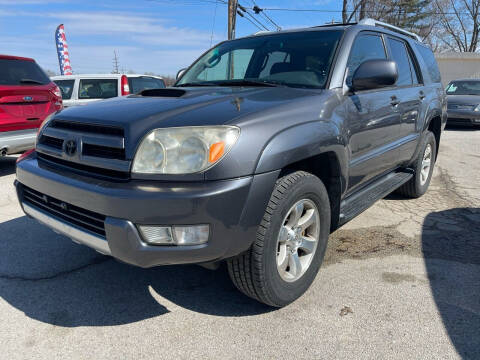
[
  {"x": 103, "y": 152},
  {"x": 459, "y": 121},
  {"x": 100, "y": 150},
  {"x": 51, "y": 141},
  {"x": 82, "y": 218},
  {"x": 84, "y": 169},
  {"x": 461, "y": 106},
  {"x": 87, "y": 128}
]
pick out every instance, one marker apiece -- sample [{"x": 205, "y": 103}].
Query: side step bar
[{"x": 360, "y": 201}]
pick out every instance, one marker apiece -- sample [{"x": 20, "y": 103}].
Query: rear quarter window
[
  {"x": 66, "y": 87},
  {"x": 430, "y": 62},
  {"x": 21, "y": 72},
  {"x": 97, "y": 88}
]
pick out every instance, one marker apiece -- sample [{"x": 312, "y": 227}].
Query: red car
[{"x": 27, "y": 98}]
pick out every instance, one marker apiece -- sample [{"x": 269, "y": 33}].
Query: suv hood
[{"x": 183, "y": 107}]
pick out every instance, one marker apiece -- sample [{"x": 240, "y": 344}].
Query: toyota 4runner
[{"x": 264, "y": 146}]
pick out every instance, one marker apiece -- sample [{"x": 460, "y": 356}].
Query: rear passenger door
[
  {"x": 410, "y": 93},
  {"x": 373, "y": 117}
]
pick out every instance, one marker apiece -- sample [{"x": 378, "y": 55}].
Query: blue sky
[{"x": 159, "y": 36}]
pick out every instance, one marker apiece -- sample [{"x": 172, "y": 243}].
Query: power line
[
  {"x": 366, "y": 11},
  {"x": 243, "y": 16},
  {"x": 245, "y": 11},
  {"x": 258, "y": 10}
]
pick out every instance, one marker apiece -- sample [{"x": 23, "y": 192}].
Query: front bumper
[
  {"x": 17, "y": 141},
  {"x": 232, "y": 208},
  {"x": 463, "y": 117}
]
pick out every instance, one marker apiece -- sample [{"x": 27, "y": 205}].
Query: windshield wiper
[
  {"x": 200, "y": 83},
  {"x": 248, "y": 82},
  {"x": 30, "y": 81}
]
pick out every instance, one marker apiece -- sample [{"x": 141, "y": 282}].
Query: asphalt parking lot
[{"x": 401, "y": 281}]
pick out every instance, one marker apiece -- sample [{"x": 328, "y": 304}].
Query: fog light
[
  {"x": 191, "y": 235},
  {"x": 157, "y": 235},
  {"x": 181, "y": 235}
]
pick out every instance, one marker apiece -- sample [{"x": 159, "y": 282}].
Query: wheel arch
[{"x": 314, "y": 147}]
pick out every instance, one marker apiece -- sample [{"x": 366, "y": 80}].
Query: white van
[{"x": 85, "y": 88}]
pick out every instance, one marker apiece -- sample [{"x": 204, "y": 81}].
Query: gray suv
[{"x": 263, "y": 147}]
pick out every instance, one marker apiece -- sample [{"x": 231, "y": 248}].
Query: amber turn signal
[{"x": 216, "y": 151}]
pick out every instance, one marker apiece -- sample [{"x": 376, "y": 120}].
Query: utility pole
[
  {"x": 232, "y": 16},
  {"x": 115, "y": 63}
]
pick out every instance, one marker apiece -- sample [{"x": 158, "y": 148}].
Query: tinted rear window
[
  {"x": 97, "y": 88},
  {"x": 429, "y": 59},
  {"x": 138, "y": 84},
  {"x": 21, "y": 72},
  {"x": 66, "y": 87}
]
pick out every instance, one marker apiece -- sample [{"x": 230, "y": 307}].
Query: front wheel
[{"x": 290, "y": 244}]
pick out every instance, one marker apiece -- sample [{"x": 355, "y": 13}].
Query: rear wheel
[
  {"x": 423, "y": 167},
  {"x": 290, "y": 244}
]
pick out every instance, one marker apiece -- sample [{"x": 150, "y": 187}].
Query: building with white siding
[{"x": 458, "y": 66}]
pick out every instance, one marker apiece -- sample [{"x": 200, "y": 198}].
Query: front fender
[{"x": 302, "y": 142}]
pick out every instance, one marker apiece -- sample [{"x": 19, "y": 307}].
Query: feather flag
[{"x": 62, "y": 51}]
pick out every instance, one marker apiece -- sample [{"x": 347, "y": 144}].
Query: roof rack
[{"x": 373, "y": 22}]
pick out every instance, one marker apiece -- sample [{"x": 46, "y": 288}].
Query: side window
[
  {"x": 365, "y": 47},
  {"x": 429, "y": 59},
  {"x": 66, "y": 87},
  {"x": 97, "y": 88},
  {"x": 401, "y": 57},
  {"x": 276, "y": 57}
]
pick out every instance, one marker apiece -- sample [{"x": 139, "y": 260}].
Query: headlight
[
  {"x": 183, "y": 150},
  {"x": 477, "y": 108}
]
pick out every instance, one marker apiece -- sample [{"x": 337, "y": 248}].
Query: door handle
[
  {"x": 395, "y": 102},
  {"x": 421, "y": 95}
]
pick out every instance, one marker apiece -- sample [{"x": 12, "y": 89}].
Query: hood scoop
[{"x": 172, "y": 93}]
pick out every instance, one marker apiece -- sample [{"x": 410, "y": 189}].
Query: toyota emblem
[{"x": 70, "y": 147}]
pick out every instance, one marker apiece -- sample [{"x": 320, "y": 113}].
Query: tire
[
  {"x": 417, "y": 186},
  {"x": 255, "y": 272}
]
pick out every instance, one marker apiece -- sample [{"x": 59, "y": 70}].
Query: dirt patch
[
  {"x": 369, "y": 242},
  {"x": 444, "y": 223}
]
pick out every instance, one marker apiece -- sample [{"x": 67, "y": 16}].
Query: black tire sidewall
[
  {"x": 280, "y": 291},
  {"x": 428, "y": 139}
]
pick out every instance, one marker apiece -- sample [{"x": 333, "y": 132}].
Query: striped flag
[{"x": 62, "y": 51}]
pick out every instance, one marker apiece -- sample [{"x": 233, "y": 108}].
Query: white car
[{"x": 85, "y": 88}]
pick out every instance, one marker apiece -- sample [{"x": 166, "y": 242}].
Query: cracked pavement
[{"x": 400, "y": 281}]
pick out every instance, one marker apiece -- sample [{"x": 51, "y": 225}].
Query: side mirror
[
  {"x": 180, "y": 73},
  {"x": 374, "y": 74}
]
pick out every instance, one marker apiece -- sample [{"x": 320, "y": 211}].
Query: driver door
[{"x": 374, "y": 118}]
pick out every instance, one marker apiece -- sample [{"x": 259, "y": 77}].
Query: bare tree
[
  {"x": 459, "y": 24},
  {"x": 413, "y": 15}
]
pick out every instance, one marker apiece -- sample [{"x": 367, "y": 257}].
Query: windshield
[
  {"x": 297, "y": 59},
  {"x": 138, "y": 84},
  {"x": 464, "y": 88}
]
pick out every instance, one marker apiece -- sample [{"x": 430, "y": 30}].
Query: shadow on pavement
[
  {"x": 454, "y": 235},
  {"x": 7, "y": 165},
  {"x": 53, "y": 280}
]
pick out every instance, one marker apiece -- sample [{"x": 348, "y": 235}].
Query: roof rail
[
  {"x": 373, "y": 22},
  {"x": 262, "y": 32}
]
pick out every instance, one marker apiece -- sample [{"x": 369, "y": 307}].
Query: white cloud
[{"x": 143, "y": 43}]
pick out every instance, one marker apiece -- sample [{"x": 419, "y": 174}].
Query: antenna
[{"x": 116, "y": 63}]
